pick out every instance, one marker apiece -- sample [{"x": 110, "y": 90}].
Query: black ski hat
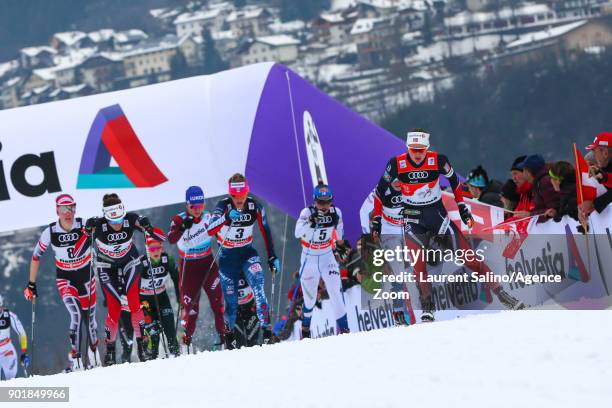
[
  {"x": 509, "y": 191},
  {"x": 517, "y": 161}
]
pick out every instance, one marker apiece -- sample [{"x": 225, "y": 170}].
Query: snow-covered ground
[{"x": 509, "y": 359}]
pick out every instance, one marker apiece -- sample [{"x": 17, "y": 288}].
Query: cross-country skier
[
  {"x": 73, "y": 276},
  {"x": 387, "y": 229},
  {"x": 197, "y": 269},
  {"x": 8, "y": 355},
  {"x": 417, "y": 174},
  {"x": 233, "y": 220},
  {"x": 153, "y": 279},
  {"x": 319, "y": 228},
  {"x": 117, "y": 264}
]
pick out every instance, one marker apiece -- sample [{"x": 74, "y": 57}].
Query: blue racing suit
[{"x": 238, "y": 255}]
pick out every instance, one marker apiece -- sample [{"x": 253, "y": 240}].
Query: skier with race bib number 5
[
  {"x": 320, "y": 228},
  {"x": 233, "y": 221}
]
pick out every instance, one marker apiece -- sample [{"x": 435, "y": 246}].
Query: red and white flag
[{"x": 587, "y": 187}]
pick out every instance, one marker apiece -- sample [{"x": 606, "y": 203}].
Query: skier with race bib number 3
[{"x": 233, "y": 221}]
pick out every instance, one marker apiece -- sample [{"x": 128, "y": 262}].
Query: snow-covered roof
[
  {"x": 278, "y": 40},
  {"x": 72, "y": 59},
  {"x": 381, "y": 4},
  {"x": 201, "y": 15},
  {"x": 332, "y": 18},
  {"x": 245, "y": 14},
  {"x": 287, "y": 27},
  {"x": 547, "y": 34},
  {"x": 69, "y": 38},
  {"x": 8, "y": 66},
  {"x": 12, "y": 81},
  {"x": 102, "y": 35},
  {"x": 155, "y": 45},
  {"x": 130, "y": 35},
  {"x": 34, "y": 51},
  {"x": 71, "y": 89},
  {"x": 46, "y": 74},
  {"x": 363, "y": 25},
  {"x": 465, "y": 17}
]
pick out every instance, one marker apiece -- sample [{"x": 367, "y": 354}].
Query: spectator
[
  {"x": 601, "y": 170},
  {"x": 523, "y": 188},
  {"x": 509, "y": 196},
  {"x": 563, "y": 179},
  {"x": 542, "y": 192},
  {"x": 482, "y": 189}
]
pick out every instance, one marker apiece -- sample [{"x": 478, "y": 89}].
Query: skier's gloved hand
[
  {"x": 30, "y": 291},
  {"x": 376, "y": 225},
  {"x": 313, "y": 220},
  {"x": 25, "y": 360},
  {"x": 146, "y": 225},
  {"x": 274, "y": 264},
  {"x": 91, "y": 223},
  {"x": 335, "y": 218},
  {"x": 187, "y": 223},
  {"x": 234, "y": 215},
  {"x": 465, "y": 214}
]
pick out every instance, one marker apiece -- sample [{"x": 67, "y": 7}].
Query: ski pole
[
  {"x": 91, "y": 276},
  {"x": 282, "y": 262},
  {"x": 180, "y": 300},
  {"x": 163, "y": 333},
  {"x": 32, "y": 331}
]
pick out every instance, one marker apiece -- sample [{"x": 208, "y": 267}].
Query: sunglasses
[
  {"x": 238, "y": 196},
  {"x": 323, "y": 202},
  {"x": 416, "y": 150},
  {"x": 154, "y": 248},
  {"x": 64, "y": 209},
  {"x": 196, "y": 206}
]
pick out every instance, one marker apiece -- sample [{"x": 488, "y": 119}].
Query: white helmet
[{"x": 417, "y": 140}]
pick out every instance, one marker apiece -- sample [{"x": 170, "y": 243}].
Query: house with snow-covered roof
[
  {"x": 278, "y": 48},
  {"x": 250, "y": 21},
  {"x": 192, "y": 23}
]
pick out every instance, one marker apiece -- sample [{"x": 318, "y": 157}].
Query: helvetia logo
[{"x": 111, "y": 135}]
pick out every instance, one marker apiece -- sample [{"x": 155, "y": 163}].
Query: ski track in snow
[{"x": 508, "y": 359}]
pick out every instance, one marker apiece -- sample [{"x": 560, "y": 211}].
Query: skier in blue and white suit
[{"x": 232, "y": 221}]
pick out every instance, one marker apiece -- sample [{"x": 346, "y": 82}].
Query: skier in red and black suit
[
  {"x": 117, "y": 264},
  {"x": 418, "y": 172}
]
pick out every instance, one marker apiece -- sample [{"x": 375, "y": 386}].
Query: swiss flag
[{"x": 587, "y": 187}]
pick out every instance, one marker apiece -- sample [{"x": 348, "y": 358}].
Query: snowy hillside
[{"x": 511, "y": 359}]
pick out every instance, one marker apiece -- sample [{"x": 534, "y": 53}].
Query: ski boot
[
  {"x": 508, "y": 300},
  {"x": 93, "y": 356},
  {"x": 399, "y": 318},
  {"x": 230, "y": 340},
  {"x": 305, "y": 332},
  {"x": 268, "y": 336},
  {"x": 75, "y": 362},
  {"x": 427, "y": 314},
  {"x": 109, "y": 357},
  {"x": 143, "y": 355}
]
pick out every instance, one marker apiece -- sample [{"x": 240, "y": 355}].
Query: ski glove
[
  {"x": 146, "y": 224},
  {"x": 274, "y": 264},
  {"x": 25, "y": 360},
  {"x": 187, "y": 223},
  {"x": 234, "y": 215},
  {"x": 313, "y": 220},
  {"x": 376, "y": 224},
  {"x": 30, "y": 291},
  {"x": 91, "y": 223},
  {"x": 465, "y": 214}
]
